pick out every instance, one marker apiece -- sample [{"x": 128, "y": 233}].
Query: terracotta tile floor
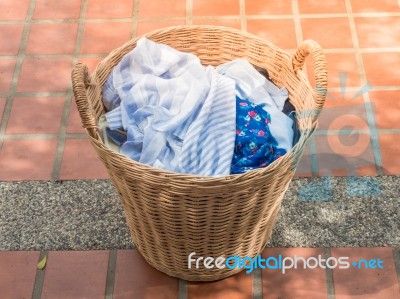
[
  {"x": 124, "y": 274},
  {"x": 42, "y": 39}
]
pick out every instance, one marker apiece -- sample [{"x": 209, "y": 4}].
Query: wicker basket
[{"x": 171, "y": 215}]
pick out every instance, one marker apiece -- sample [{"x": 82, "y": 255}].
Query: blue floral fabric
[{"x": 255, "y": 147}]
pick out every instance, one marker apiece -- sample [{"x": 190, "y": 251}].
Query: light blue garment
[
  {"x": 252, "y": 85},
  {"x": 179, "y": 115}
]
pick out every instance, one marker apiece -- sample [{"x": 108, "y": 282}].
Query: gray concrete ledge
[{"x": 53, "y": 215}]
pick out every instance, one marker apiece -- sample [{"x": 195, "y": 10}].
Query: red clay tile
[
  {"x": 57, "y": 9},
  {"x": 237, "y": 286},
  {"x": 387, "y": 108},
  {"x": 390, "y": 153},
  {"x": 80, "y": 161},
  {"x": 338, "y": 63},
  {"x": 346, "y": 153},
  {"x": 215, "y": 7},
  {"x": 52, "y": 38},
  {"x": 219, "y": 22},
  {"x": 378, "y": 32},
  {"x": 105, "y": 37},
  {"x": 336, "y": 172},
  {"x": 380, "y": 70},
  {"x": 169, "y": 8},
  {"x": 281, "y": 33},
  {"x": 103, "y": 9},
  {"x": 27, "y": 159},
  {"x": 45, "y": 74},
  {"x": 357, "y": 282},
  {"x": 2, "y": 106},
  {"x": 13, "y": 10},
  {"x": 17, "y": 273},
  {"x": 6, "y": 73},
  {"x": 369, "y": 170},
  {"x": 295, "y": 283},
  {"x": 31, "y": 115},
  {"x": 75, "y": 274},
  {"x": 262, "y": 7},
  {"x": 375, "y": 6},
  {"x": 90, "y": 62},
  {"x": 145, "y": 27},
  {"x": 74, "y": 120},
  {"x": 320, "y": 7},
  {"x": 134, "y": 278},
  {"x": 11, "y": 33},
  {"x": 322, "y": 30},
  {"x": 304, "y": 167},
  {"x": 351, "y": 116}
]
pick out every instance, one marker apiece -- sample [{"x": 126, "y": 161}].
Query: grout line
[
  {"x": 76, "y": 136},
  {"x": 39, "y": 279},
  {"x": 17, "y": 71},
  {"x": 29, "y": 136},
  {"x": 243, "y": 20},
  {"x": 389, "y": 131},
  {"x": 143, "y": 19},
  {"x": 135, "y": 16},
  {"x": 257, "y": 284},
  {"x": 297, "y": 23},
  {"x": 318, "y": 132},
  {"x": 112, "y": 264},
  {"x": 356, "y": 89},
  {"x": 379, "y": 50},
  {"x": 8, "y": 57},
  {"x": 329, "y": 51},
  {"x": 67, "y": 106},
  {"x": 93, "y": 55},
  {"x": 182, "y": 289},
  {"x": 329, "y": 275},
  {"x": 298, "y": 29},
  {"x": 302, "y": 16},
  {"x": 314, "y": 157},
  {"x": 189, "y": 12},
  {"x": 45, "y": 136},
  {"x": 374, "y": 137},
  {"x": 329, "y": 15},
  {"x": 63, "y": 94},
  {"x": 41, "y": 94},
  {"x": 396, "y": 258},
  {"x": 374, "y": 133},
  {"x": 50, "y": 56},
  {"x": 362, "y": 50}
]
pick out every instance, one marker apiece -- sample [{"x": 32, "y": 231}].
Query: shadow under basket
[{"x": 171, "y": 215}]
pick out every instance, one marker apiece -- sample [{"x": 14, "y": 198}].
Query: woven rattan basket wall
[{"x": 171, "y": 215}]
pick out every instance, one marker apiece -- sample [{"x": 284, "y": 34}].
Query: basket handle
[
  {"x": 80, "y": 82},
  {"x": 320, "y": 68}
]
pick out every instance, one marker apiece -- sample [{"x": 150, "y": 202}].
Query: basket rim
[{"x": 194, "y": 177}]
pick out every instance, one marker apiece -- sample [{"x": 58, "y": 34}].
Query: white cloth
[
  {"x": 252, "y": 85},
  {"x": 179, "y": 115}
]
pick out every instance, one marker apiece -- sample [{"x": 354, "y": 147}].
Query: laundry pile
[{"x": 167, "y": 110}]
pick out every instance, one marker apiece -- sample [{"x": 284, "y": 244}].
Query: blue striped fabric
[{"x": 179, "y": 115}]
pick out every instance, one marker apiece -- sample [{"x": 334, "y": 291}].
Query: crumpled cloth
[
  {"x": 255, "y": 147},
  {"x": 178, "y": 114}
]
